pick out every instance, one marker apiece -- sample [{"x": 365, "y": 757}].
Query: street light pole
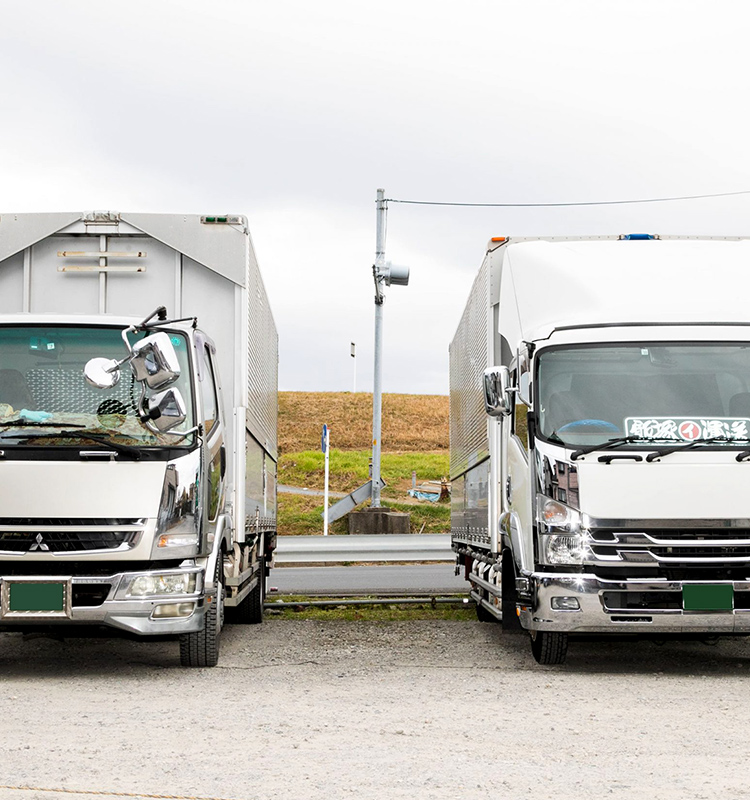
[
  {"x": 377, "y": 405},
  {"x": 384, "y": 274}
]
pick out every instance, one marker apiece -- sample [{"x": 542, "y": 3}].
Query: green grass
[
  {"x": 350, "y": 469},
  {"x": 393, "y": 612},
  {"x": 300, "y": 515}
]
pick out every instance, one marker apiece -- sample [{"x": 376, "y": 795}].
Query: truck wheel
[
  {"x": 201, "y": 648},
  {"x": 549, "y": 647},
  {"x": 250, "y": 610}
]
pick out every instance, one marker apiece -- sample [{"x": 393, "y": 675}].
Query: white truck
[
  {"x": 600, "y": 437},
  {"x": 137, "y": 450}
]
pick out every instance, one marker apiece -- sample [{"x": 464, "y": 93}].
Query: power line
[{"x": 561, "y": 205}]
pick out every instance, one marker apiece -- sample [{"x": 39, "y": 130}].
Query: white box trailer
[
  {"x": 137, "y": 452},
  {"x": 600, "y": 437}
]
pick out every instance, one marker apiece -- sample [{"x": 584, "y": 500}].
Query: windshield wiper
[
  {"x": 608, "y": 445},
  {"x": 125, "y": 449},
  {"x": 665, "y": 451},
  {"x": 21, "y": 423}
]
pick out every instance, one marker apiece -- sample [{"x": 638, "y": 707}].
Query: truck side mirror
[
  {"x": 497, "y": 394},
  {"x": 102, "y": 373},
  {"x": 165, "y": 410},
  {"x": 154, "y": 361}
]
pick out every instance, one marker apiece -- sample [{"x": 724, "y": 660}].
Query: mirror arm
[
  {"x": 159, "y": 323},
  {"x": 181, "y": 434},
  {"x": 160, "y": 312}
]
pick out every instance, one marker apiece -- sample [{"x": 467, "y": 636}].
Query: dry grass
[{"x": 416, "y": 423}]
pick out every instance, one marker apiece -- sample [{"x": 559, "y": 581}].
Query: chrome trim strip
[
  {"x": 596, "y": 522},
  {"x": 70, "y": 528},
  {"x": 622, "y": 540}
]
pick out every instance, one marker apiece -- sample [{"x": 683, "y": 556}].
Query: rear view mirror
[
  {"x": 497, "y": 393},
  {"x": 154, "y": 361},
  {"x": 165, "y": 410}
]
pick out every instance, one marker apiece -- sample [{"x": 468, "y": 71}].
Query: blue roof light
[{"x": 637, "y": 237}]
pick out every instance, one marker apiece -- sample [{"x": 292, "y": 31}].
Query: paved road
[
  {"x": 430, "y": 710},
  {"x": 387, "y": 579}
]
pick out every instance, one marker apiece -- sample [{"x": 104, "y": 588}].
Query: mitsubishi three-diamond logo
[{"x": 38, "y": 544}]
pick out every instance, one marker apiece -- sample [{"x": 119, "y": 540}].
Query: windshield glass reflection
[
  {"x": 43, "y": 389},
  {"x": 663, "y": 392}
]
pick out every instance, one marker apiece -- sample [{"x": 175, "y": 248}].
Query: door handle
[{"x": 223, "y": 459}]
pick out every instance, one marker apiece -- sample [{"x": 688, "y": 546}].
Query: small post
[
  {"x": 324, "y": 446},
  {"x": 353, "y": 352},
  {"x": 413, "y": 479}
]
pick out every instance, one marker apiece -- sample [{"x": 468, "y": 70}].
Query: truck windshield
[
  {"x": 662, "y": 391},
  {"x": 43, "y": 390}
]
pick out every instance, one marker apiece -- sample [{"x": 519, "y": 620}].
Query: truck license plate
[
  {"x": 708, "y": 597},
  {"x": 36, "y": 597}
]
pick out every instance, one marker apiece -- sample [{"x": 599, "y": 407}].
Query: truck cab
[
  {"x": 135, "y": 493},
  {"x": 618, "y": 439}
]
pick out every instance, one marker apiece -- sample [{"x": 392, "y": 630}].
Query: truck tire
[
  {"x": 549, "y": 647},
  {"x": 201, "y": 648},
  {"x": 250, "y": 610}
]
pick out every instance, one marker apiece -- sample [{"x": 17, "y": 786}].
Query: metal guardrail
[{"x": 382, "y": 547}]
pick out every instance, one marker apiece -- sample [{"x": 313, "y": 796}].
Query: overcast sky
[{"x": 295, "y": 112}]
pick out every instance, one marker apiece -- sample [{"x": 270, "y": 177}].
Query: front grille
[
  {"x": 670, "y": 546},
  {"x": 44, "y": 535},
  {"x": 63, "y": 541}
]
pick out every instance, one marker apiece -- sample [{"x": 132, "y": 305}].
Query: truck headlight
[
  {"x": 563, "y": 549},
  {"x": 175, "y": 583}
]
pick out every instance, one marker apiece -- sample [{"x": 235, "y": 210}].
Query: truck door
[{"x": 215, "y": 455}]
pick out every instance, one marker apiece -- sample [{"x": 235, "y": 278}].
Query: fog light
[
  {"x": 565, "y": 604},
  {"x": 173, "y": 610}
]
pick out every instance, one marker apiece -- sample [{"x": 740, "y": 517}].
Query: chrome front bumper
[
  {"x": 117, "y": 609},
  {"x": 596, "y": 616}
]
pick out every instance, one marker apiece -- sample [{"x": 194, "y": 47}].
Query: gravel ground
[{"x": 334, "y": 709}]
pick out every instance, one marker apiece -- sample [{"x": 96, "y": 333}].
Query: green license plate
[
  {"x": 708, "y": 597},
  {"x": 37, "y": 597}
]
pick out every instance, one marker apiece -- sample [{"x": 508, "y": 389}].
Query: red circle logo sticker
[{"x": 689, "y": 430}]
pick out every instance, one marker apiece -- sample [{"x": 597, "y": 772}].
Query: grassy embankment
[{"x": 415, "y": 437}]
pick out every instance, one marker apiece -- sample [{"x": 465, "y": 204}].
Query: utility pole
[{"x": 384, "y": 274}]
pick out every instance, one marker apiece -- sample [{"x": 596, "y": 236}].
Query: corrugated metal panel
[
  {"x": 263, "y": 362},
  {"x": 468, "y": 361}
]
